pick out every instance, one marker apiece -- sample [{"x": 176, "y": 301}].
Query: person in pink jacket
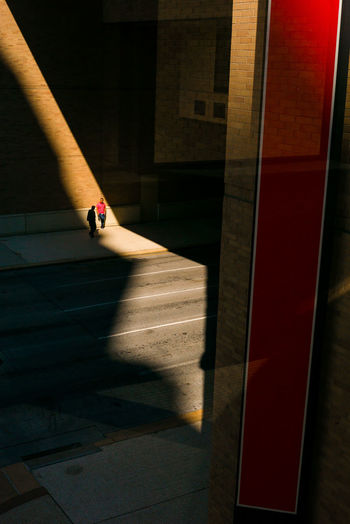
[{"x": 101, "y": 212}]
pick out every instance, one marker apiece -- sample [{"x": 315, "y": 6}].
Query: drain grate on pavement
[{"x": 61, "y": 454}]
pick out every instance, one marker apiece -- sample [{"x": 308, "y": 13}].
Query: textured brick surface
[
  {"x": 131, "y": 10},
  {"x": 245, "y": 90},
  {"x": 77, "y": 105},
  {"x": 60, "y": 101},
  {"x": 185, "y": 73},
  {"x": 241, "y": 154}
]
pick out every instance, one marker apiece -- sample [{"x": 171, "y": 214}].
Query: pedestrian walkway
[
  {"x": 70, "y": 246},
  {"x": 155, "y": 474}
]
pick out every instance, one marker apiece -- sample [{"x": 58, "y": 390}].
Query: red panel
[{"x": 298, "y": 105}]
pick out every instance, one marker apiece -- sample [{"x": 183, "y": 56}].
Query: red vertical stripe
[{"x": 297, "y": 118}]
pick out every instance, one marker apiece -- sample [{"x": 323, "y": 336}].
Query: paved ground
[
  {"x": 75, "y": 337},
  {"x": 158, "y": 478},
  {"x": 96, "y": 470},
  {"x": 64, "y": 246}
]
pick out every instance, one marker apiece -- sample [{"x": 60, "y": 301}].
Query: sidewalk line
[
  {"x": 136, "y": 298},
  {"x": 154, "y": 427},
  {"x": 92, "y": 258},
  {"x": 129, "y": 276},
  {"x": 141, "y": 509},
  {"x": 88, "y": 258},
  {"x": 156, "y": 327}
]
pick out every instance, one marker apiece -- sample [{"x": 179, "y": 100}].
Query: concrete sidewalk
[
  {"x": 148, "y": 477},
  {"x": 70, "y": 246}
]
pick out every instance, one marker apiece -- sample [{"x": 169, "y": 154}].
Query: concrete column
[{"x": 248, "y": 29}]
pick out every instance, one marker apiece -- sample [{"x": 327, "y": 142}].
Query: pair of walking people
[{"x": 91, "y": 216}]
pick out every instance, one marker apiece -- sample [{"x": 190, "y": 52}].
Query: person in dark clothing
[{"x": 91, "y": 218}]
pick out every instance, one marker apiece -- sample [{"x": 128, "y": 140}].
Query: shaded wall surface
[
  {"x": 237, "y": 228},
  {"x": 101, "y": 95},
  {"x": 80, "y": 61},
  {"x": 330, "y": 493}
]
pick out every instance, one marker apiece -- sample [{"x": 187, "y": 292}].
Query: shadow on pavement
[{"x": 43, "y": 393}]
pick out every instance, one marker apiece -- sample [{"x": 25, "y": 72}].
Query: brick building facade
[{"x": 109, "y": 108}]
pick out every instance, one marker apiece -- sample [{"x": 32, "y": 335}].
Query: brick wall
[
  {"x": 137, "y": 10},
  {"x": 182, "y": 136},
  {"x": 78, "y": 104},
  {"x": 193, "y": 9},
  {"x": 241, "y": 153},
  {"x": 187, "y": 39},
  {"x": 129, "y": 10},
  {"x": 295, "y": 118},
  {"x": 59, "y": 138}
]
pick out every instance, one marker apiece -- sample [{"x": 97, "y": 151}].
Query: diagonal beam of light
[{"x": 76, "y": 175}]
